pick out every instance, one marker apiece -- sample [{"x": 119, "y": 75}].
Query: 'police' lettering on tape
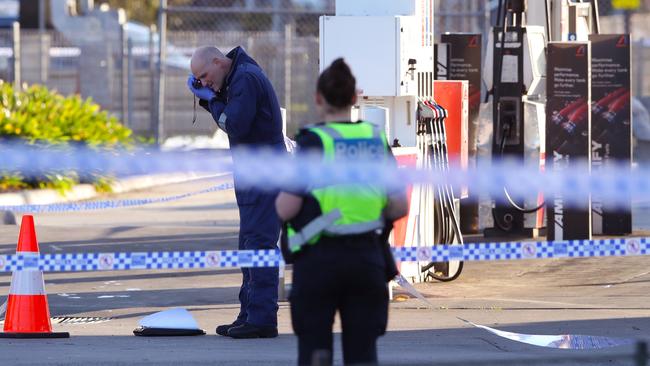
[
  {"x": 245, "y": 258},
  {"x": 560, "y": 249},
  {"x": 138, "y": 260},
  {"x": 456, "y": 252},
  {"x": 30, "y": 261}
]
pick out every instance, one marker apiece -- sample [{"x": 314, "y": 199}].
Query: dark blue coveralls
[{"x": 250, "y": 114}]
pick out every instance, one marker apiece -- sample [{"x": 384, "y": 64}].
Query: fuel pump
[
  {"x": 516, "y": 54},
  {"x": 515, "y": 75},
  {"x": 389, "y": 47}
]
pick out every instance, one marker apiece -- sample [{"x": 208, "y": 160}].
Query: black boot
[
  {"x": 223, "y": 329},
  {"x": 248, "y": 330}
]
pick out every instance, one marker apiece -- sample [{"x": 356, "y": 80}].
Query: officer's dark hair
[{"x": 337, "y": 84}]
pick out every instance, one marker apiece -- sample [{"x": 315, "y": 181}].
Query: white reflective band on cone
[{"x": 27, "y": 282}]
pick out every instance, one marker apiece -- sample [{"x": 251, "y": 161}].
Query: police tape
[
  {"x": 613, "y": 185},
  {"x": 76, "y": 262},
  {"x": 110, "y": 204},
  {"x": 34, "y": 159}
]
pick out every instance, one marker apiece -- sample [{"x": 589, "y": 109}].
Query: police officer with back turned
[
  {"x": 234, "y": 89},
  {"x": 333, "y": 232}
]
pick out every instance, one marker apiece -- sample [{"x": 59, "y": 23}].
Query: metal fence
[
  {"x": 280, "y": 35},
  {"x": 49, "y": 58},
  {"x": 465, "y": 16}
]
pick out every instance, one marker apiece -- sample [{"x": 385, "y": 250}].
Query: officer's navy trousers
[{"x": 345, "y": 275}]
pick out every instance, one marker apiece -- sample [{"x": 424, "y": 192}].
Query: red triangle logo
[{"x": 473, "y": 42}]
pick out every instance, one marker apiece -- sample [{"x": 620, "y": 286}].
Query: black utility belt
[{"x": 370, "y": 238}]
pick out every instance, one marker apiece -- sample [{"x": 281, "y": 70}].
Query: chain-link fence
[
  {"x": 118, "y": 78},
  {"x": 462, "y": 16},
  {"x": 7, "y": 61},
  {"x": 282, "y": 36}
]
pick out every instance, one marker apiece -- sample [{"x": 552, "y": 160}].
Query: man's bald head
[
  {"x": 205, "y": 54},
  {"x": 209, "y": 65}
]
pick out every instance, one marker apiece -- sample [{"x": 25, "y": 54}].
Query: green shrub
[
  {"x": 11, "y": 181},
  {"x": 60, "y": 182},
  {"x": 40, "y": 116},
  {"x": 103, "y": 184}
]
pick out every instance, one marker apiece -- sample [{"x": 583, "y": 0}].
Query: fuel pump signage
[
  {"x": 568, "y": 141},
  {"x": 465, "y": 64},
  {"x": 611, "y": 125}
]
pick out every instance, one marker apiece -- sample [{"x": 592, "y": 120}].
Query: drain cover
[{"x": 79, "y": 319}]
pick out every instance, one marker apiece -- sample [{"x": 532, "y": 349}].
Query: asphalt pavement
[{"x": 603, "y": 296}]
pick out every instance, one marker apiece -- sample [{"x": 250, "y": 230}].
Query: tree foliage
[{"x": 143, "y": 11}]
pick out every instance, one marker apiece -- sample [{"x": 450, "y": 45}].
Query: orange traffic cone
[{"x": 28, "y": 315}]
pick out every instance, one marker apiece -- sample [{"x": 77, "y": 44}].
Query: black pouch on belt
[
  {"x": 391, "y": 266},
  {"x": 284, "y": 245}
]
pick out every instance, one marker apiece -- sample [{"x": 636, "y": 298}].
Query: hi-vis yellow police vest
[{"x": 347, "y": 209}]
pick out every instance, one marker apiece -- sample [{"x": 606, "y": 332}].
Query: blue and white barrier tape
[
  {"x": 74, "y": 262},
  {"x": 267, "y": 169},
  {"x": 108, "y": 204},
  {"x": 33, "y": 159}
]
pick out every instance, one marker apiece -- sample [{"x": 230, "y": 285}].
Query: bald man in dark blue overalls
[{"x": 242, "y": 101}]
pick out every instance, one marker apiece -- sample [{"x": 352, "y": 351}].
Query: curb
[{"x": 87, "y": 191}]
